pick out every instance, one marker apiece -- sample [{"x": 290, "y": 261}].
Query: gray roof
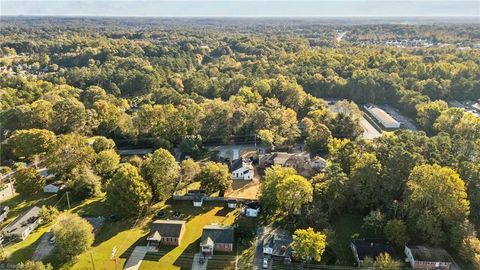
[
  {"x": 372, "y": 248},
  {"x": 236, "y": 164},
  {"x": 167, "y": 228},
  {"x": 218, "y": 234},
  {"x": 279, "y": 241},
  {"x": 18, "y": 225},
  {"x": 430, "y": 254},
  {"x": 381, "y": 115}
]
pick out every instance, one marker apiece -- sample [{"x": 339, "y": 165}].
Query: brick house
[
  {"x": 166, "y": 232},
  {"x": 216, "y": 238}
]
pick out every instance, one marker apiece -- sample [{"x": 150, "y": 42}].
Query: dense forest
[{"x": 183, "y": 84}]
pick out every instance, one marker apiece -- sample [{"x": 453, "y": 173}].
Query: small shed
[
  {"x": 232, "y": 203},
  {"x": 197, "y": 201}
]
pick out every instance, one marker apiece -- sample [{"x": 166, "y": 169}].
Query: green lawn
[
  {"x": 346, "y": 228},
  {"x": 21, "y": 251},
  {"x": 125, "y": 238}
]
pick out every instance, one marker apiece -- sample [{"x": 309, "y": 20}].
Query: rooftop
[
  {"x": 381, "y": 115},
  {"x": 19, "y": 224},
  {"x": 167, "y": 228},
  {"x": 372, "y": 248},
  {"x": 218, "y": 234},
  {"x": 430, "y": 254}
]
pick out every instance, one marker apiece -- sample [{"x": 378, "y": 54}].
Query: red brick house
[
  {"x": 166, "y": 232},
  {"x": 216, "y": 238}
]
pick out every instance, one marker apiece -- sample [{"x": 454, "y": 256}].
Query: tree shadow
[{"x": 224, "y": 211}]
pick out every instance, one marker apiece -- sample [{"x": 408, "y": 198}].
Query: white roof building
[{"x": 383, "y": 117}]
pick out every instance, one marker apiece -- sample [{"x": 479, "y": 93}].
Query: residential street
[{"x": 262, "y": 232}]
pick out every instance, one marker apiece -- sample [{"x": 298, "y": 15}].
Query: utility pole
[
  {"x": 91, "y": 259},
  {"x": 68, "y": 201}
]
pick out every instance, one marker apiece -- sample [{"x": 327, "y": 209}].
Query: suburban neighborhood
[{"x": 239, "y": 135}]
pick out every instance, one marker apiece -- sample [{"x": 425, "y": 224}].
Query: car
[
  {"x": 265, "y": 263},
  {"x": 51, "y": 241},
  {"x": 177, "y": 214},
  {"x": 160, "y": 214}
]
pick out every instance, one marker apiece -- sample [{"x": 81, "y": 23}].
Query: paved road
[
  {"x": 196, "y": 262},
  {"x": 136, "y": 258},
  {"x": 369, "y": 132}
]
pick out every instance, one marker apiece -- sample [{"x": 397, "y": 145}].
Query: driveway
[
  {"x": 196, "y": 265},
  {"x": 136, "y": 258},
  {"x": 262, "y": 232},
  {"x": 44, "y": 248}
]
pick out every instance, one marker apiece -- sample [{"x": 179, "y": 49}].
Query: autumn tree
[
  {"x": 127, "y": 193},
  {"x": 396, "y": 232},
  {"x": 385, "y": 261},
  {"x": 318, "y": 139},
  {"x": 73, "y": 235},
  {"x": 162, "y": 171},
  {"x": 470, "y": 251},
  {"x": 29, "y": 142},
  {"x": 427, "y": 114},
  {"x": 106, "y": 162},
  {"x": 365, "y": 180},
  {"x": 435, "y": 201},
  {"x": 293, "y": 192},
  {"x": 268, "y": 188},
  {"x": 70, "y": 151},
  {"x": 215, "y": 177},
  {"x": 308, "y": 245},
  {"x": 189, "y": 170},
  {"x": 28, "y": 181}
]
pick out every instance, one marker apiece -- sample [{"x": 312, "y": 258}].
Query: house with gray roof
[
  {"x": 423, "y": 257},
  {"x": 216, "y": 238},
  {"x": 166, "y": 232},
  {"x": 24, "y": 224},
  {"x": 277, "y": 244}
]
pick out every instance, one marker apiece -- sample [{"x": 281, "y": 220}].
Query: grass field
[{"x": 122, "y": 236}]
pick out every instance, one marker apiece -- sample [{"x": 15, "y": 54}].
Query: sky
[{"x": 243, "y": 8}]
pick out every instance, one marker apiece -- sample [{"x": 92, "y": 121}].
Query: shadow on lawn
[
  {"x": 26, "y": 252},
  {"x": 224, "y": 212}
]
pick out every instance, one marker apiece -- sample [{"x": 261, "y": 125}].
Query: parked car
[
  {"x": 265, "y": 263},
  {"x": 51, "y": 241}
]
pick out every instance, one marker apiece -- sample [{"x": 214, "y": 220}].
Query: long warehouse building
[{"x": 382, "y": 117}]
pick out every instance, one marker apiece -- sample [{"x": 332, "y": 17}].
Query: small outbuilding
[
  {"x": 54, "y": 187},
  {"x": 232, "y": 203},
  {"x": 252, "y": 209}
]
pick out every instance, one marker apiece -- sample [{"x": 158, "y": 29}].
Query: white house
[
  {"x": 24, "y": 224},
  {"x": 53, "y": 187},
  {"x": 242, "y": 169}
]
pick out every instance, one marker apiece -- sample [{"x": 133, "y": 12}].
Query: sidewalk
[
  {"x": 196, "y": 263},
  {"x": 136, "y": 258}
]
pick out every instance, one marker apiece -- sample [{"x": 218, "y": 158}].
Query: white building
[
  {"x": 382, "y": 117},
  {"x": 242, "y": 169},
  {"x": 24, "y": 224},
  {"x": 53, "y": 187}
]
